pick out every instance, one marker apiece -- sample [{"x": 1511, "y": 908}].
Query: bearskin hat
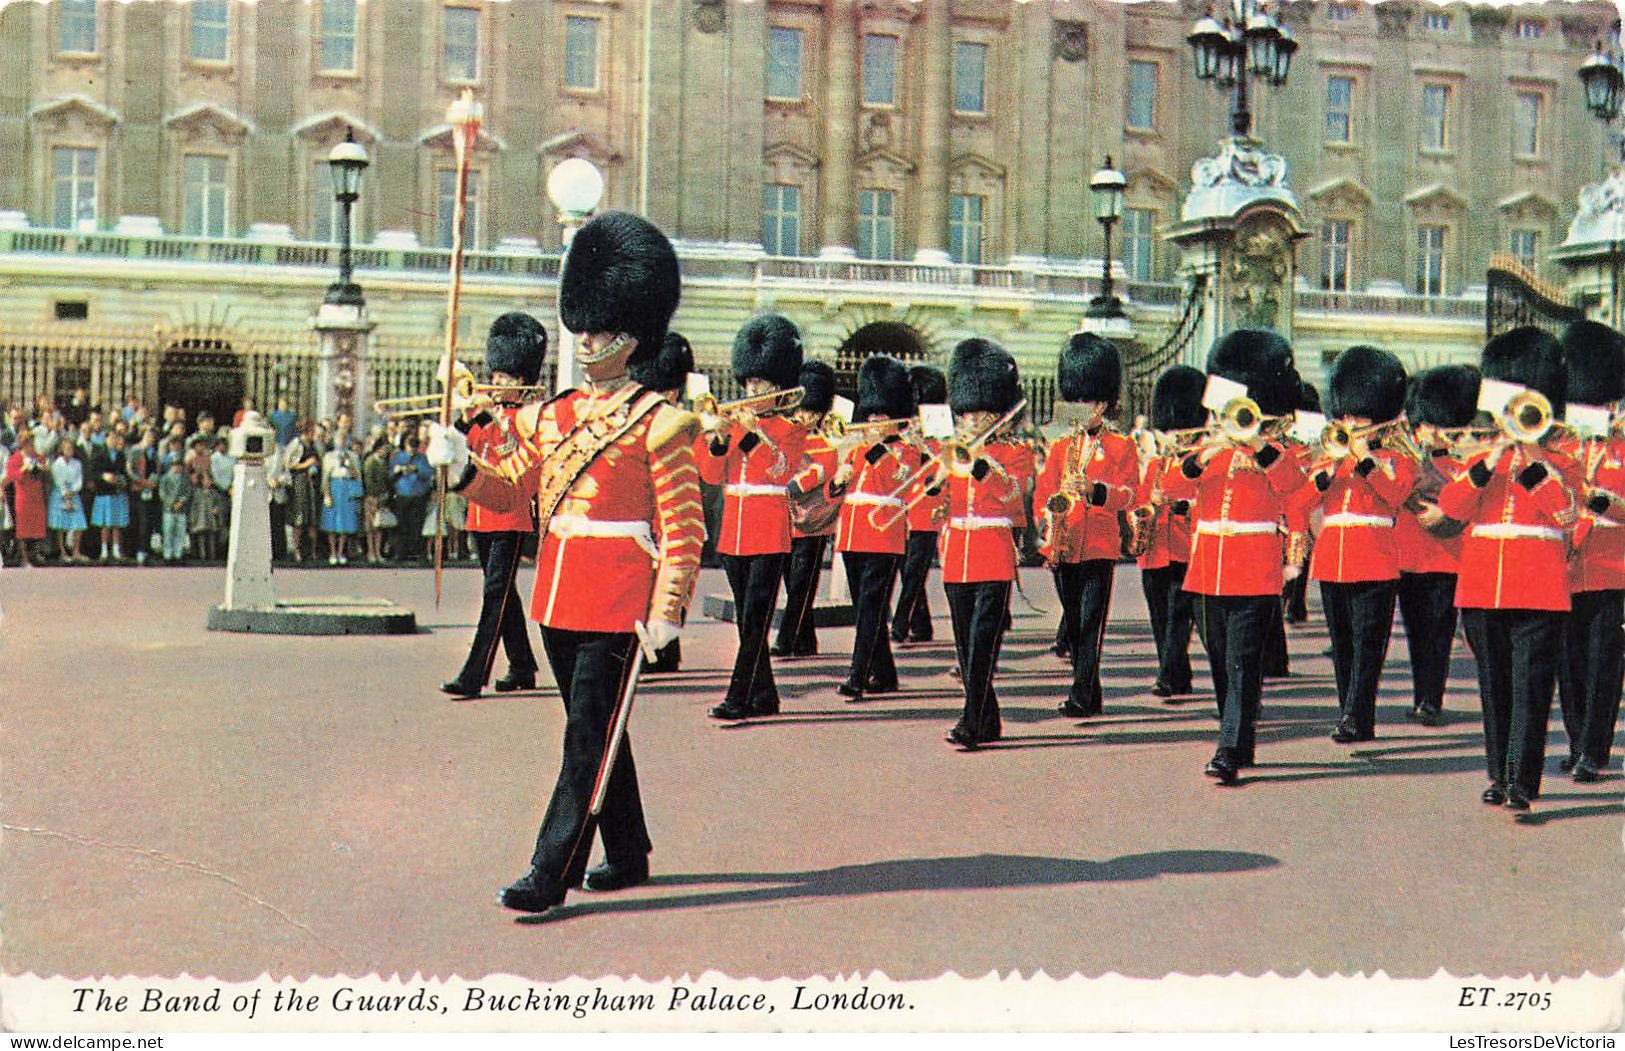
[
  {"x": 1090, "y": 369},
  {"x": 884, "y": 389},
  {"x": 1366, "y": 382},
  {"x": 516, "y": 345},
  {"x": 768, "y": 347},
  {"x": 668, "y": 368},
  {"x": 818, "y": 386},
  {"x": 620, "y": 275},
  {"x": 930, "y": 385},
  {"x": 982, "y": 377},
  {"x": 1308, "y": 397},
  {"x": 1262, "y": 360},
  {"x": 1530, "y": 357},
  {"x": 1594, "y": 355},
  {"x": 1445, "y": 396},
  {"x": 1176, "y": 400}
]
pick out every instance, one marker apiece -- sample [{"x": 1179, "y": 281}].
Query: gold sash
[{"x": 588, "y": 438}]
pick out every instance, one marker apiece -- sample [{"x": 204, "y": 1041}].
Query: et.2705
[{"x": 1490, "y": 996}]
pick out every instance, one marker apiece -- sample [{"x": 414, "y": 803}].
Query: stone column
[
  {"x": 931, "y": 197},
  {"x": 835, "y": 193},
  {"x": 343, "y": 368}
]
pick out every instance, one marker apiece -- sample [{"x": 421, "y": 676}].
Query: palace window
[
  {"x": 338, "y": 36},
  {"x": 1530, "y": 29},
  {"x": 879, "y": 70},
  {"x": 1436, "y": 116},
  {"x": 970, "y": 78},
  {"x": 205, "y": 195},
  {"x": 781, "y": 219},
  {"x": 1525, "y": 247},
  {"x": 1436, "y": 22},
  {"x": 1430, "y": 260},
  {"x": 460, "y": 44},
  {"x": 73, "y": 187},
  {"x": 581, "y": 53},
  {"x": 76, "y": 26},
  {"x": 1142, "y": 95},
  {"x": 1339, "y": 109},
  {"x": 1339, "y": 12},
  {"x": 877, "y": 224},
  {"x": 211, "y": 25},
  {"x": 1139, "y": 243},
  {"x": 784, "y": 64},
  {"x": 1334, "y": 255},
  {"x": 1526, "y": 131},
  {"x": 965, "y": 229},
  {"x": 446, "y": 209}
]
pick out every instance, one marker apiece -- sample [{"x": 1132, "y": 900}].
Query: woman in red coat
[{"x": 25, "y": 473}]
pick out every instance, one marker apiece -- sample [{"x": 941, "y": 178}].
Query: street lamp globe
[
  {"x": 1262, "y": 35},
  {"x": 575, "y": 186},
  {"x": 1208, "y": 44},
  {"x": 1107, "y": 186},
  {"x": 1603, "y": 81},
  {"x": 1284, "y": 48},
  {"x": 347, "y": 161}
]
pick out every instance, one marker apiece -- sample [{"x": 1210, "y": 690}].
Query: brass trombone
[
  {"x": 462, "y": 395},
  {"x": 962, "y": 453},
  {"x": 769, "y": 403}
]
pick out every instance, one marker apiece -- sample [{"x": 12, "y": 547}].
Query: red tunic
[
  {"x": 925, "y": 514},
  {"x": 26, "y": 471},
  {"x": 495, "y": 441},
  {"x": 1088, "y": 531},
  {"x": 1419, "y": 550},
  {"x": 624, "y": 544},
  {"x": 1598, "y": 561},
  {"x": 869, "y": 496},
  {"x": 755, "y": 506},
  {"x": 1170, "y": 532},
  {"x": 1236, "y": 547},
  {"x": 1514, "y": 554},
  {"x": 1357, "y": 540},
  {"x": 818, "y": 465},
  {"x": 975, "y": 542}
]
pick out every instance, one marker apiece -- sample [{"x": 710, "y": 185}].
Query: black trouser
[
  {"x": 1517, "y": 652},
  {"x": 870, "y": 577},
  {"x": 1427, "y": 605},
  {"x": 797, "y": 633},
  {"x": 1276, "y": 665},
  {"x": 1593, "y": 673},
  {"x": 1232, "y": 629},
  {"x": 978, "y": 619},
  {"x": 913, "y": 614},
  {"x": 1064, "y": 629},
  {"x": 1171, "y": 610},
  {"x": 1295, "y": 596},
  {"x": 410, "y": 512},
  {"x": 146, "y": 519},
  {"x": 591, "y": 668},
  {"x": 1086, "y": 595},
  {"x": 279, "y": 531},
  {"x": 1360, "y": 619},
  {"x": 754, "y": 580},
  {"x": 502, "y": 618}
]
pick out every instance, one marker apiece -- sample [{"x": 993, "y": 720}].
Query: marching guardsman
[
  {"x": 514, "y": 351},
  {"x": 665, "y": 374},
  {"x": 813, "y": 525},
  {"x": 611, "y": 467},
  {"x": 1520, "y": 500},
  {"x": 1593, "y": 669},
  {"x": 1362, "y": 488},
  {"x": 1243, "y": 478},
  {"x": 1088, "y": 477},
  {"x": 873, "y": 530},
  {"x": 753, "y": 456},
  {"x": 912, "y": 619},
  {"x": 1441, "y": 400},
  {"x": 984, "y": 488},
  {"x": 1176, "y": 414}
]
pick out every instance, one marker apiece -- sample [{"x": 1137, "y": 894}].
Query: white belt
[
  {"x": 979, "y": 522},
  {"x": 1604, "y": 523},
  {"x": 753, "y": 489},
  {"x": 873, "y": 499},
  {"x": 1514, "y": 531},
  {"x": 566, "y": 527},
  {"x": 1224, "y": 528},
  {"x": 1347, "y": 518}
]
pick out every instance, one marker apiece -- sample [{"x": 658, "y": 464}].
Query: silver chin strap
[{"x": 612, "y": 348}]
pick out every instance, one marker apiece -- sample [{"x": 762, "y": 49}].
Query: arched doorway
[
  {"x": 201, "y": 374},
  {"x": 899, "y": 339}
]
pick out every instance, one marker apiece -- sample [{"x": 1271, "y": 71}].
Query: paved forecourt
[{"x": 185, "y": 801}]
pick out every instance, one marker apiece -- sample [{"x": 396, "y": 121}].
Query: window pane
[
  {"x": 1436, "y": 116},
  {"x": 462, "y": 43},
  {"x": 446, "y": 211},
  {"x": 965, "y": 229},
  {"x": 1339, "y": 99},
  {"x": 1430, "y": 260},
  {"x": 1142, "y": 95},
  {"x": 581, "y": 53},
  {"x": 338, "y": 35},
  {"x": 970, "y": 77},
  {"x": 1139, "y": 243},
  {"x": 784, "y": 64},
  {"x": 879, "y": 70},
  {"x": 1528, "y": 130},
  {"x": 1334, "y": 259},
  {"x": 76, "y": 25},
  {"x": 1525, "y": 246},
  {"x": 210, "y": 20},
  {"x": 876, "y": 224},
  {"x": 781, "y": 219}
]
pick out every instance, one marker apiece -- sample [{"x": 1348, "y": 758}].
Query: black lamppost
[
  {"x": 1248, "y": 42},
  {"x": 1603, "y": 77},
  {"x": 347, "y": 161},
  {"x": 1106, "y": 186}
]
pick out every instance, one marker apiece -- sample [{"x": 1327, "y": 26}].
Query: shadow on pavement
[{"x": 975, "y": 872}]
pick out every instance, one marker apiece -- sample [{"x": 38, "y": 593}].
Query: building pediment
[
  {"x": 333, "y": 124},
  {"x": 886, "y": 161},
  {"x": 1436, "y": 196},
  {"x": 75, "y": 107},
  {"x": 1529, "y": 203},
  {"x": 1153, "y": 182},
  {"x": 578, "y": 143},
  {"x": 439, "y": 138},
  {"x": 790, "y": 153},
  {"x": 206, "y": 118},
  {"x": 975, "y": 163},
  {"x": 1341, "y": 188}
]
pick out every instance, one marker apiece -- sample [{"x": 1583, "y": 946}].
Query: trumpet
[
  {"x": 1338, "y": 439},
  {"x": 852, "y": 433},
  {"x": 1527, "y": 417},
  {"x": 1242, "y": 421},
  {"x": 963, "y": 453},
  {"x": 771, "y": 402},
  {"x": 1171, "y": 443}
]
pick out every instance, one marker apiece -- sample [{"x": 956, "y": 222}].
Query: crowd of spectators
[{"x": 87, "y": 484}]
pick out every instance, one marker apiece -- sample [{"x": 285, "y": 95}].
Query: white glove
[
  {"x": 448, "y": 448},
  {"x": 656, "y": 636}
]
